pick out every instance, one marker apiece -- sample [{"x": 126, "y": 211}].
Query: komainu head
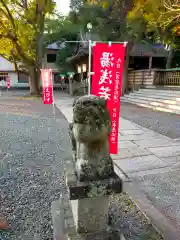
[{"x": 91, "y": 119}]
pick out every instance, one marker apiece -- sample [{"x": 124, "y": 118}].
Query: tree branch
[{"x": 9, "y": 14}]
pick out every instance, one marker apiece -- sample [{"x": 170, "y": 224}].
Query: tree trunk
[
  {"x": 34, "y": 81},
  {"x": 169, "y": 58},
  {"x": 70, "y": 87},
  {"x": 126, "y": 65}
]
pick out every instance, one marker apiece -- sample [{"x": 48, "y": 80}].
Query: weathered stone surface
[
  {"x": 156, "y": 143},
  {"x": 127, "y": 125},
  {"x": 99, "y": 235},
  {"x": 135, "y": 164},
  {"x": 91, "y": 214},
  {"x": 163, "y": 189},
  {"x": 168, "y": 151},
  {"x": 172, "y": 160},
  {"x": 58, "y": 220},
  {"x": 93, "y": 178},
  {"x": 134, "y": 137},
  {"x": 126, "y": 144},
  {"x": 162, "y": 122},
  {"x": 65, "y": 218},
  {"x": 123, "y": 176},
  {"x": 133, "y": 131},
  {"x": 80, "y": 190},
  {"x": 131, "y": 152},
  {"x": 89, "y": 132}
]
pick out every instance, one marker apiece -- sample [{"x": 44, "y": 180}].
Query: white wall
[
  {"x": 14, "y": 80},
  {"x": 52, "y": 66},
  {"x": 5, "y": 65},
  {"x": 8, "y": 67}
]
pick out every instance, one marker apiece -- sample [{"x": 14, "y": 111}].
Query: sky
[{"x": 63, "y": 6}]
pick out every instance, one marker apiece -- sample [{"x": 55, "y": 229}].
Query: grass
[{"x": 30, "y": 97}]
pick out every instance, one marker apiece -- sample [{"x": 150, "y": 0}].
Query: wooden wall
[{"x": 140, "y": 78}]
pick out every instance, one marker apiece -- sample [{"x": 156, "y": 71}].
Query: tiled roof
[{"x": 56, "y": 46}]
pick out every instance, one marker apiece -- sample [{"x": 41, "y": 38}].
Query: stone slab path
[{"x": 165, "y": 123}]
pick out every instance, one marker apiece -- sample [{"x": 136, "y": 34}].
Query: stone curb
[
  {"x": 58, "y": 221},
  {"x": 159, "y": 221}
]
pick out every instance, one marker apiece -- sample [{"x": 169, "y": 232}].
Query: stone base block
[
  {"x": 64, "y": 227},
  {"x": 91, "y": 189},
  {"x": 90, "y": 214},
  {"x": 97, "y": 236}
]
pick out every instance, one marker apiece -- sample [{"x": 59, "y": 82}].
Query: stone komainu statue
[{"x": 90, "y": 131}]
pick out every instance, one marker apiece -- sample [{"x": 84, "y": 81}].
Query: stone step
[
  {"x": 160, "y": 87},
  {"x": 157, "y": 98},
  {"x": 161, "y": 100},
  {"x": 146, "y": 104},
  {"x": 160, "y": 92}
]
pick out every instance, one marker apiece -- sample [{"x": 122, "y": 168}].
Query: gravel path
[
  {"x": 165, "y": 123},
  {"x": 33, "y": 151},
  {"x": 128, "y": 219}
]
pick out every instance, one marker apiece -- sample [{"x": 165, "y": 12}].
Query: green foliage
[
  {"x": 66, "y": 52},
  {"x": 114, "y": 23},
  {"x": 104, "y": 22},
  {"x": 59, "y": 30},
  {"x": 76, "y": 4},
  {"x": 22, "y": 28},
  {"x": 161, "y": 18},
  {"x": 117, "y": 20}
]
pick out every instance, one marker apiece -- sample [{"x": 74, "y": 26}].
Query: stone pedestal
[
  {"x": 91, "y": 179},
  {"x": 90, "y": 214},
  {"x": 90, "y": 204}
]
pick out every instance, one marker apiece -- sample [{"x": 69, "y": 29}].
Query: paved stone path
[
  {"x": 33, "y": 149},
  {"x": 165, "y": 123}
]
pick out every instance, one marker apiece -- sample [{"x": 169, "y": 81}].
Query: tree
[
  {"x": 61, "y": 30},
  {"x": 172, "y": 13},
  {"x": 162, "y": 19},
  {"x": 67, "y": 51},
  {"x": 64, "y": 29},
  {"x": 76, "y": 4},
  {"x": 22, "y": 25},
  {"x": 161, "y": 13},
  {"x": 131, "y": 33}
]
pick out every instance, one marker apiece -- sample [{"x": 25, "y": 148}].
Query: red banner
[
  {"x": 108, "y": 62},
  {"x": 47, "y": 84},
  {"x": 8, "y": 82}
]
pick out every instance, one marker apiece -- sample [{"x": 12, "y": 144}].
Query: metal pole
[
  {"x": 89, "y": 72},
  {"x": 52, "y": 81},
  {"x": 93, "y": 41},
  {"x": 7, "y": 83}
]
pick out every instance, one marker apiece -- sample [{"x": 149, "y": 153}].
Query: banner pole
[
  {"x": 89, "y": 72},
  {"x": 92, "y": 41},
  {"x": 52, "y": 79}
]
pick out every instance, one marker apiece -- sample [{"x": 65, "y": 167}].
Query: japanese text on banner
[
  {"x": 8, "y": 82},
  {"x": 108, "y": 64},
  {"x": 46, "y": 76}
]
